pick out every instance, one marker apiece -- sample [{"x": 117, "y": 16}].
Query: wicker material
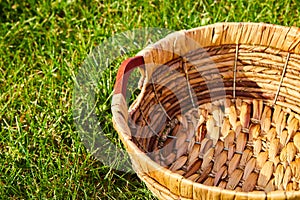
[{"x": 220, "y": 121}]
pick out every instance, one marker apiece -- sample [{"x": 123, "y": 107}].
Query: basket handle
[{"x": 124, "y": 71}]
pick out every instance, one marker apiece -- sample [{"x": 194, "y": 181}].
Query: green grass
[{"x": 42, "y": 47}]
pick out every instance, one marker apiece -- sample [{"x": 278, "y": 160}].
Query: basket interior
[{"x": 225, "y": 116}]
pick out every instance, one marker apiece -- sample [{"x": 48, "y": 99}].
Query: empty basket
[{"x": 218, "y": 113}]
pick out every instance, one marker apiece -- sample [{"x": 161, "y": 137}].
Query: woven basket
[{"x": 218, "y": 113}]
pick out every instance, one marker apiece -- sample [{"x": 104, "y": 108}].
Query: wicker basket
[{"x": 218, "y": 113}]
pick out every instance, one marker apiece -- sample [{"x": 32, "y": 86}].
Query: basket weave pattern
[{"x": 220, "y": 121}]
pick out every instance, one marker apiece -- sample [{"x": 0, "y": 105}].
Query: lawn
[{"x": 42, "y": 47}]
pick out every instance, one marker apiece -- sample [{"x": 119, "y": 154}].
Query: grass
[{"x": 42, "y": 47}]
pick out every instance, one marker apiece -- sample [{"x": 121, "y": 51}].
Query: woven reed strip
[{"x": 255, "y": 80}]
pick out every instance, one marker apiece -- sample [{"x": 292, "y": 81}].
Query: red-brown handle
[{"x": 124, "y": 71}]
